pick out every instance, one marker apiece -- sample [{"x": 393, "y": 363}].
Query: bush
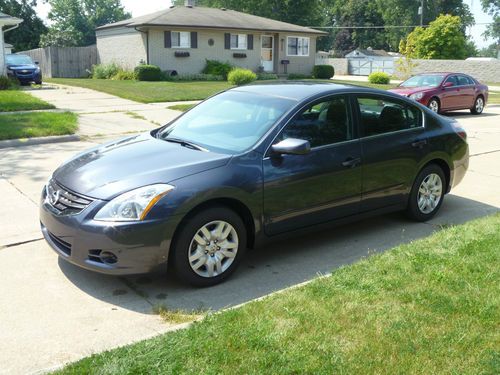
[
  {"x": 323, "y": 71},
  {"x": 7, "y": 83},
  {"x": 266, "y": 76},
  {"x": 217, "y": 68},
  {"x": 105, "y": 71},
  {"x": 295, "y": 76},
  {"x": 124, "y": 75},
  {"x": 240, "y": 76},
  {"x": 148, "y": 73},
  {"x": 379, "y": 77},
  {"x": 194, "y": 77}
]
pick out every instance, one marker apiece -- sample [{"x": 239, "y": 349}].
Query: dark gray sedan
[{"x": 246, "y": 165}]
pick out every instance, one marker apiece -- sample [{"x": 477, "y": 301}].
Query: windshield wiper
[{"x": 187, "y": 144}]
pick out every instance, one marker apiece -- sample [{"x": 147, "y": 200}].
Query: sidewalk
[{"x": 103, "y": 114}]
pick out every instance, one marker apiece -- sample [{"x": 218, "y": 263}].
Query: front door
[
  {"x": 267, "y": 53},
  {"x": 325, "y": 184}
]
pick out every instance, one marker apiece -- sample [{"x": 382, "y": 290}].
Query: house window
[
  {"x": 238, "y": 41},
  {"x": 297, "y": 46},
  {"x": 181, "y": 39}
]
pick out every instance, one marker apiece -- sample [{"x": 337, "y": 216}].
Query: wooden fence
[{"x": 64, "y": 62}]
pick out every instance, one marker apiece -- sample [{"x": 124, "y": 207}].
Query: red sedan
[{"x": 443, "y": 92}]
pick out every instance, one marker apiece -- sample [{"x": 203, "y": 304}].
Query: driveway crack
[{"x": 19, "y": 190}]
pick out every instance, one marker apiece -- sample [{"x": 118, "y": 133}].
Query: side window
[
  {"x": 463, "y": 81},
  {"x": 323, "y": 123},
  {"x": 452, "y": 79},
  {"x": 381, "y": 115}
]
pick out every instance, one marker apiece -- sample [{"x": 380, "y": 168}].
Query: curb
[{"x": 38, "y": 141}]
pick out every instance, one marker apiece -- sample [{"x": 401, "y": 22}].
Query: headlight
[
  {"x": 37, "y": 70},
  {"x": 133, "y": 205},
  {"x": 417, "y": 96}
]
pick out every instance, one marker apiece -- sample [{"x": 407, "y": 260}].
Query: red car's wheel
[
  {"x": 478, "y": 106},
  {"x": 434, "y": 105}
]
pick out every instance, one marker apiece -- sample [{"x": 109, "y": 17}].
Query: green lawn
[
  {"x": 428, "y": 307},
  {"x": 38, "y": 124},
  {"x": 181, "y": 107},
  {"x": 149, "y": 92},
  {"x": 494, "y": 97},
  {"x": 15, "y": 100}
]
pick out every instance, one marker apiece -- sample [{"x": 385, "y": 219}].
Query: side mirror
[
  {"x": 447, "y": 84},
  {"x": 37, "y": 63},
  {"x": 292, "y": 146}
]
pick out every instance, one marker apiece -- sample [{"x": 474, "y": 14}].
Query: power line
[{"x": 383, "y": 27}]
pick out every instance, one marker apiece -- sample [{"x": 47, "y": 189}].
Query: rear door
[
  {"x": 325, "y": 184},
  {"x": 393, "y": 143}
]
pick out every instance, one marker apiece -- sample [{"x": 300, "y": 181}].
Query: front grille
[
  {"x": 63, "y": 246},
  {"x": 64, "y": 201}
]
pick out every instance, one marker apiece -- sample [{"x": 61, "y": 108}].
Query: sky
[{"x": 141, "y": 7}]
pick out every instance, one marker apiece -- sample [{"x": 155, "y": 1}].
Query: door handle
[
  {"x": 420, "y": 143},
  {"x": 351, "y": 162}
]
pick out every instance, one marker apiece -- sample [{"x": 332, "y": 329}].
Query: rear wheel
[
  {"x": 434, "y": 105},
  {"x": 478, "y": 107},
  {"x": 427, "y": 193},
  {"x": 209, "y": 246}
]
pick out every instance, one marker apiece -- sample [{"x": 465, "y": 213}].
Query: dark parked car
[
  {"x": 246, "y": 165},
  {"x": 23, "y": 68},
  {"x": 443, "y": 92}
]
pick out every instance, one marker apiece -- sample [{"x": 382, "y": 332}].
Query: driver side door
[{"x": 322, "y": 185}]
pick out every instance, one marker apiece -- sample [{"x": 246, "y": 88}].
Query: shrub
[
  {"x": 105, "y": 71},
  {"x": 217, "y": 68},
  {"x": 7, "y": 83},
  {"x": 148, "y": 73},
  {"x": 266, "y": 76},
  {"x": 379, "y": 77},
  {"x": 124, "y": 75},
  {"x": 323, "y": 71},
  {"x": 193, "y": 77},
  {"x": 240, "y": 76},
  {"x": 294, "y": 76}
]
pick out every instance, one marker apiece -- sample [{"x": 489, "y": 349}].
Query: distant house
[
  {"x": 368, "y": 53},
  {"x": 365, "y": 61},
  {"x": 6, "y": 20},
  {"x": 181, "y": 38}
]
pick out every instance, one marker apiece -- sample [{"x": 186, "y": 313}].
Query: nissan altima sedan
[{"x": 247, "y": 165}]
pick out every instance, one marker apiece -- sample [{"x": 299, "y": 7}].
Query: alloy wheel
[
  {"x": 213, "y": 249},
  {"x": 429, "y": 193},
  {"x": 479, "y": 105},
  {"x": 434, "y": 106}
]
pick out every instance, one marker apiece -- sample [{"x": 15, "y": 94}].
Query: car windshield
[
  {"x": 18, "y": 60},
  {"x": 429, "y": 80},
  {"x": 230, "y": 122}
]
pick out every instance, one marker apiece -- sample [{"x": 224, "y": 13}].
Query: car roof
[{"x": 301, "y": 90}]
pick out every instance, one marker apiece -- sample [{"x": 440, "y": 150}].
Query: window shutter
[
  {"x": 168, "y": 39},
  {"x": 250, "y": 41},
  {"x": 227, "y": 41},
  {"x": 194, "y": 39}
]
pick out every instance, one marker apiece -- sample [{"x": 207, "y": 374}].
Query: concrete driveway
[{"x": 52, "y": 312}]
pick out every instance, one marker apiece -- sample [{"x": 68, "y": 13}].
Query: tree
[
  {"x": 490, "y": 51},
  {"x": 27, "y": 35},
  {"x": 492, "y": 7},
  {"x": 443, "y": 39},
  {"x": 74, "y": 21}
]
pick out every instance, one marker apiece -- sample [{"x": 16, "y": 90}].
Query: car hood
[
  {"x": 111, "y": 169},
  {"x": 21, "y": 67},
  {"x": 407, "y": 91}
]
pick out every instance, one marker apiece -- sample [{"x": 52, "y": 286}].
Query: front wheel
[
  {"x": 209, "y": 246},
  {"x": 434, "y": 105},
  {"x": 427, "y": 193},
  {"x": 478, "y": 106}
]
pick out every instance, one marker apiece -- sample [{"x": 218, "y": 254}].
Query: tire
[
  {"x": 210, "y": 263},
  {"x": 434, "y": 105},
  {"x": 478, "y": 107},
  {"x": 38, "y": 83},
  {"x": 429, "y": 183}
]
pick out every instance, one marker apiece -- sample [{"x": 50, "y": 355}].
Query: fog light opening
[{"x": 108, "y": 257}]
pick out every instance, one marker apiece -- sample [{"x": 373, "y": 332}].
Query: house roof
[
  {"x": 9, "y": 20},
  {"x": 212, "y": 18},
  {"x": 7, "y": 45},
  {"x": 369, "y": 52}
]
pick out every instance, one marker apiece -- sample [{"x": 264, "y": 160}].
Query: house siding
[
  {"x": 2, "y": 53},
  {"x": 123, "y": 46},
  {"x": 128, "y": 47}
]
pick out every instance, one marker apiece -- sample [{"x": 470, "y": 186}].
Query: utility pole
[{"x": 421, "y": 12}]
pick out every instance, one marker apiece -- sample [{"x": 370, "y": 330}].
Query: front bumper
[
  {"x": 110, "y": 248},
  {"x": 25, "y": 77}
]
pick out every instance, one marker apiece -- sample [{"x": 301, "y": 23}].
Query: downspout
[
  {"x": 147, "y": 43},
  {"x": 12, "y": 28}
]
